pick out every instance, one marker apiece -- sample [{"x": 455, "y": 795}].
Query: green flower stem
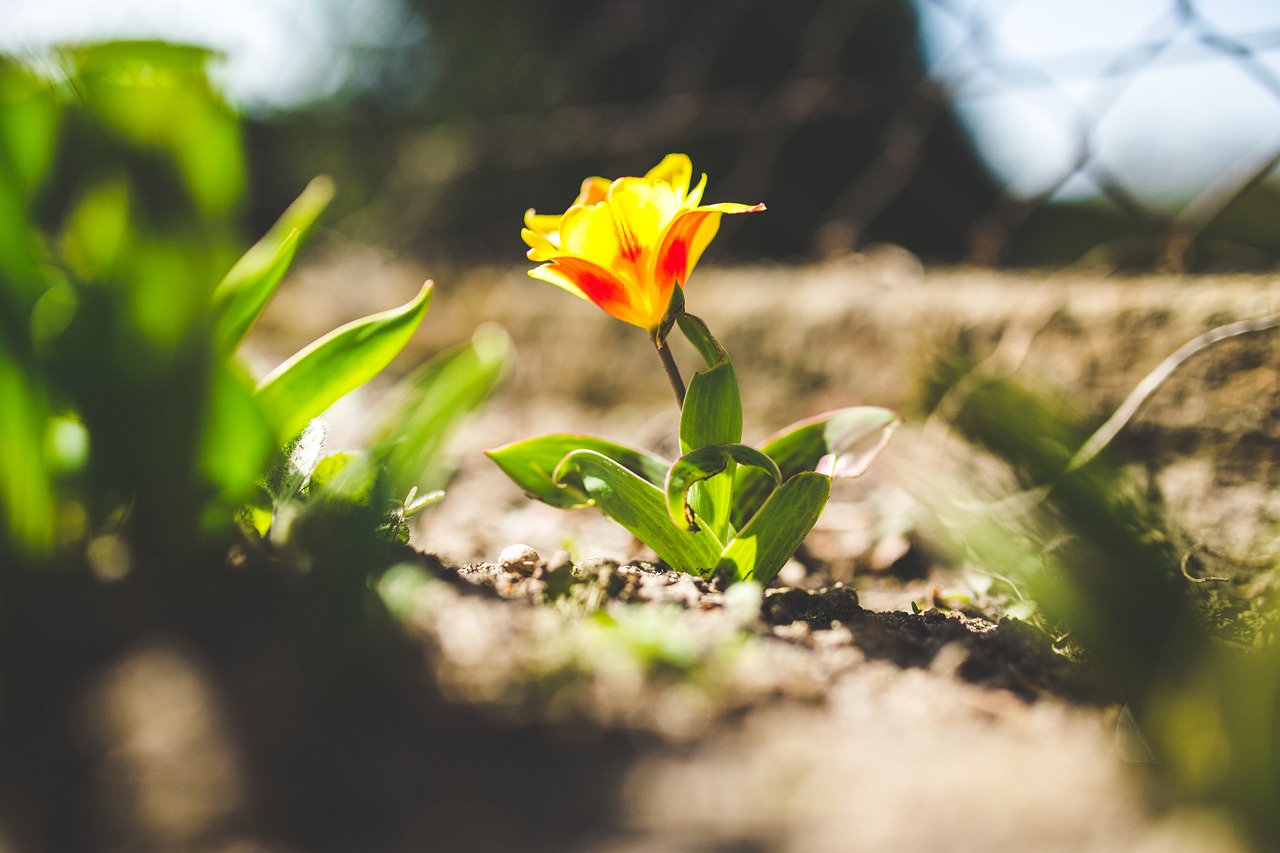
[{"x": 669, "y": 365}]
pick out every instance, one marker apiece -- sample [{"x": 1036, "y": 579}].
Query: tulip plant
[{"x": 723, "y": 508}]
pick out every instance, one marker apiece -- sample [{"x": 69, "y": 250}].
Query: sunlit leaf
[
  {"x": 711, "y": 416},
  {"x": 235, "y": 447},
  {"x": 430, "y": 403},
  {"x": 763, "y": 546},
  {"x": 698, "y": 465},
  {"x": 294, "y": 465},
  {"x": 341, "y": 361},
  {"x": 239, "y": 298},
  {"x": 639, "y": 506},
  {"x": 27, "y": 506},
  {"x": 29, "y": 119},
  {"x": 840, "y": 443},
  {"x": 532, "y": 464},
  {"x": 157, "y": 95},
  {"x": 348, "y": 478}
]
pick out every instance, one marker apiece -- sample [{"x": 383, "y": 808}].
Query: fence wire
[{"x": 833, "y": 113}]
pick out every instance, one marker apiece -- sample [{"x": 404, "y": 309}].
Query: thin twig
[
  {"x": 1153, "y": 380},
  {"x": 1197, "y": 548}
]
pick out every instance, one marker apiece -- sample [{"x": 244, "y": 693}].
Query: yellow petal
[
  {"x": 675, "y": 170},
  {"x": 694, "y": 198},
  {"x": 541, "y": 248},
  {"x": 593, "y": 191},
  {"x": 553, "y": 275}
]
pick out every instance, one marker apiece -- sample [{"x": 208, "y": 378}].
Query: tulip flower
[
  {"x": 625, "y": 245},
  {"x": 723, "y": 508}
]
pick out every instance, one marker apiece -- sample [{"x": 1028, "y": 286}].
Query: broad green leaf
[
  {"x": 712, "y": 412},
  {"x": 348, "y": 478},
  {"x": 639, "y": 507},
  {"x": 294, "y": 465},
  {"x": 158, "y": 96},
  {"x": 773, "y": 534},
  {"x": 237, "y": 444},
  {"x": 27, "y": 505},
  {"x": 532, "y": 464},
  {"x": 239, "y": 298},
  {"x": 698, "y": 465},
  {"x": 29, "y": 119},
  {"x": 712, "y": 416},
  {"x": 843, "y": 442},
  {"x": 341, "y": 361},
  {"x": 432, "y": 401},
  {"x": 235, "y": 448}
]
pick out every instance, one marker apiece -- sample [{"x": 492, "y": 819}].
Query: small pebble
[
  {"x": 792, "y": 574},
  {"x": 519, "y": 558}
]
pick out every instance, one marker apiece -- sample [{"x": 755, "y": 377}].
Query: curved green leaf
[
  {"x": 532, "y": 463},
  {"x": 843, "y": 442},
  {"x": 711, "y": 416},
  {"x": 773, "y": 534},
  {"x": 703, "y": 463},
  {"x": 341, "y": 361},
  {"x": 639, "y": 507},
  {"x": 239, "y": 298},
  {"x": 430, "y": 402}
]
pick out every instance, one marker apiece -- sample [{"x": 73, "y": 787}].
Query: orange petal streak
[{"x": 605, "y": 289}]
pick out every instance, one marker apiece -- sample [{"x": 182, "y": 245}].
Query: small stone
[
  {"x": 793, "y": 573},
  {"x": 519, "y": 558}
]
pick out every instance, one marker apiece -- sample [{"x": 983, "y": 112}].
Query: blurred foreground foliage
[
  {"x": 130, "y": 430},
  {"x": 1194, "y": 660}
]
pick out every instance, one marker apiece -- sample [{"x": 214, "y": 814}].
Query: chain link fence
[{"x": 852, "y": 119}]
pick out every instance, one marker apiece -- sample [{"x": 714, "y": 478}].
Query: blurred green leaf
[
  {"x": 157, "y": 95},
  {"x": 847, "y": 439},
  {"x": 294, "y": 465},
  {"x": 773, "y": 534},
  {"x": 98, "y": 232},
  {"x": 29, "y": 120},
  {"x": 239, "y": 298},
  {"x": 341, "y": 361},
  {"x": 429, "y": 404},
  {"x": 532, "y": 464},
  {"x": 26, "y": 490},
  {"x": 237, "y": 442},
  {"x": 702, "y": 463},
  {"x": 640, "y": 507}
]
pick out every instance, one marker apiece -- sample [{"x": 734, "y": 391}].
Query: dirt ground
[{"x": 578, "y": 698}]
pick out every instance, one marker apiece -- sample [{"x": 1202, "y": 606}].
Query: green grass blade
[
  {"x": 432, "y": 401},
  {"x": 341, "y": 361},
  {"x": 639, "y": 507},
  {"x": 239, "y": 298},
  {"x": 849, "y": 439},
  {"x": 773, "y": 534},
  {"x": 706, "y": 462},
  {"x": 532, "y": 463}
]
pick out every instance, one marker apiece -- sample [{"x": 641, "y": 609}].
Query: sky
[
  {"x": 1130, "y": 83},
  {"x": 279, "y": 53},
  {"x": 1155, "y": 99}
]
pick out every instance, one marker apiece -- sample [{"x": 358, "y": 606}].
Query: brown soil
[{"x": 874, "y": 699}]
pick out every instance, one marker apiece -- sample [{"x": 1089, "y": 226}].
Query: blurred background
[{"x": 1142, "y": 135}]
